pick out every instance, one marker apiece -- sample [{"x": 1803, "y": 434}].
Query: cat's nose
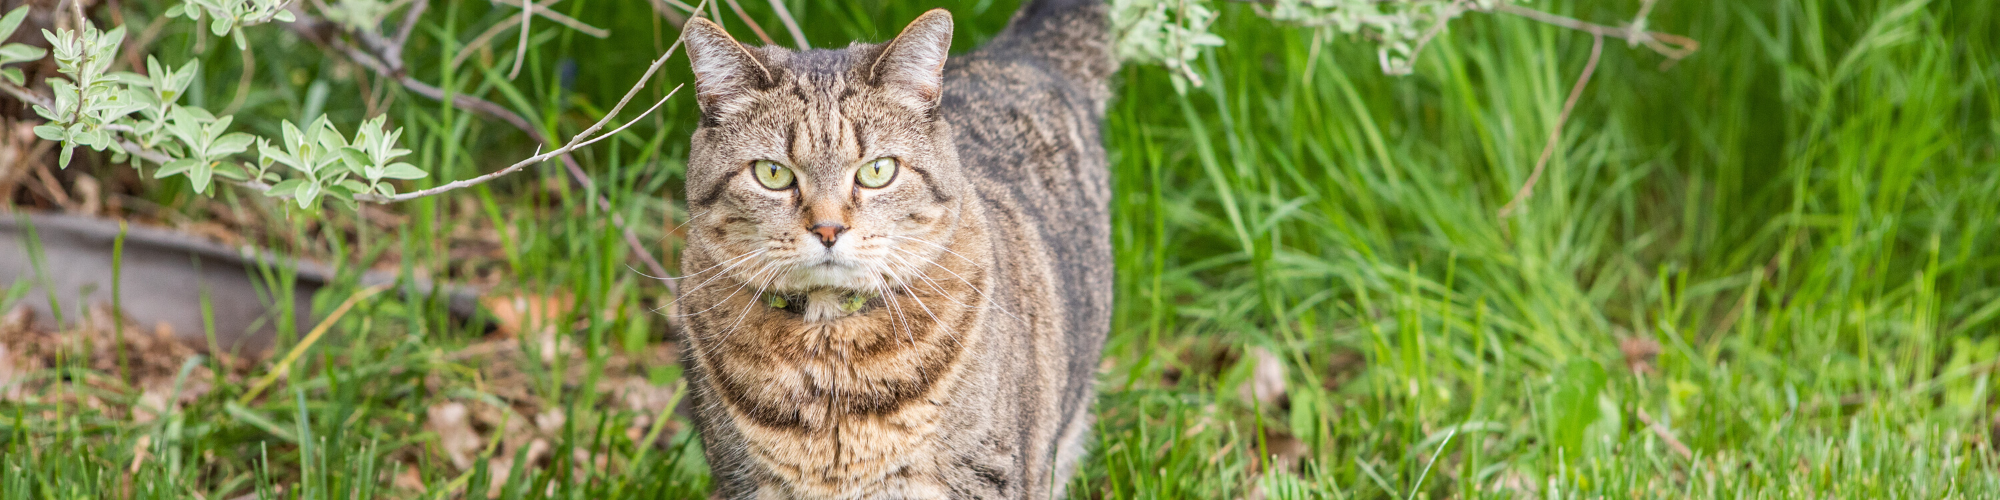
[{"x": 829, "y": 232}]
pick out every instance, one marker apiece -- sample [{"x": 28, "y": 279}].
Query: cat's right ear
[{"x": 724, "y": 71}]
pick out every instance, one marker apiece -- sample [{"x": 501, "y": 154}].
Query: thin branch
[
  {"x": 487, "y": 36},
  {"x": 322, "y": 33},
  {"x": 1680, "y": 47},
  {"x": 665, "y": 8},
  {"x": 544, "y": 9},
  {"x": 26, "y": 95},
  {"x": 1555, "y": 135},
  {"x": 791, "y": 25},
  {"x": 574, "y": 143},
  {"x": 1448, "y": 12},
  {"x": 738, "y": 8},
  {"x": 243, "y": 82},
  {"x": 410, "y": 17},
  {"x": 1666, "y": 434},
  {"x": 679, "y": 5},
  {"x": 521, "y": 52}
]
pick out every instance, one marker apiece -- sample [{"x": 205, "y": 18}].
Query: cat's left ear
[{"x": 913, "y": 63}]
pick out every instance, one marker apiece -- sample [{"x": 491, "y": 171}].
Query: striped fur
[{"x": 982, "y": 271}]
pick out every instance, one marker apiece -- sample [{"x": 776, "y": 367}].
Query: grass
[{"x": 1792, "y": 232}]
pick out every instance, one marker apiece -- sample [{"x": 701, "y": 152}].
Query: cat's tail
[{"x": 1072, "y": 36}]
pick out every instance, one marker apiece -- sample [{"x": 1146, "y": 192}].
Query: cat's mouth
[{"x": 829, "y": 270}]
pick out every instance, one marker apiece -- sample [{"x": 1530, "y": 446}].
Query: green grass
[{"x": 1803, "y": 215}]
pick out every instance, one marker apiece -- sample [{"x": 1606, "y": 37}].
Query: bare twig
[
  {"x": 541, "y": 9},
  {"x": 384, "y": 58},
  {"x": 1666, "y": 434},
  {"x": 1449, "y": 11},
  {"x": 579, "y": 141},
  {"x": 666, "y": 9},
  {"x": 738, "y": 8},
  {"x": 410, "y": 17},
  {"x": 53, "y": 187},
  {"x": 242, "y": 82},
  {"x": 1555, "y": 135},
  {"x": 791, "y": 25},
  {"x": 545, "y": 10},
  {"x": 1680, "y": 47},
  {"x": 521, "y": 52},
  {"x": 26, "y": 95},
  {"x": 323, "y": 33}
]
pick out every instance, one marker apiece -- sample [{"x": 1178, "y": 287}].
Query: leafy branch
[
  {"x": 137, "y": 117},
  {"x": 1172, "y": 33}
]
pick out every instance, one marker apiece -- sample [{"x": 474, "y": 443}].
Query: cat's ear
[
  {"x": 913, "y": 63},
  {"x": 724, "y": 71}
]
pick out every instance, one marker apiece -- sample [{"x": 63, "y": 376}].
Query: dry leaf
[
  {"x": 1267, "y": 379},
  {"x": 523, "y": 312},
  {"x": 453, "y": 424},
  {"x": 1639, "y": 353}
]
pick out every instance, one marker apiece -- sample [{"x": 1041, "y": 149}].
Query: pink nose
[{"x": 828, "y": 232}]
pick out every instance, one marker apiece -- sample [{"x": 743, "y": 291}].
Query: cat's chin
[{"x": 828, "y": 274}]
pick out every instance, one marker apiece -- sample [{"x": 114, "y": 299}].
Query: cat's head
[{"x": 822, "y": 168}]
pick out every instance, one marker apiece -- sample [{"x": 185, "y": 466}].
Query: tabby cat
[{"x": 898, "y": 273}]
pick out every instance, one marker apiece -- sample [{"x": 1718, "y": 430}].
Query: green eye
[
  {"x": 771, "y": 174},
  {"x": 877, "y": 173}
]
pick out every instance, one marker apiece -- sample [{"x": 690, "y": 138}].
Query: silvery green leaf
[
  {"x": 322, "y": 133},
  {"x": 356, "y": 161},
  {"x": 353, "y": 186},
  {"x": 175, "y": 167},
  {"x": 221, "y": 25},
  {"x": 14, "y": 76},
  {"x": 12, "y": 21},
  {"x": 231, "y": 144},
  {"x": 242, "y": 42},
  {"x": 177, "y": 11},
  {"x": 385, "y": 189},
  {"x": 185, "y": 75},
  {"x": 400, "y": 170},
  {"x": 231, "y": 171},
  {"x": 186, "y": 125},
  {"x": 201, "y": 115},
  {"x": 293, "y": 138},
  {"x": 50, "y": 132},
  {"x": 109, "y": 41},
  {"x": 98, "y": 139},
  {"x": 342, "y": 194},
  {"x": 216, "y": 129},
  {"x": 287, "y": 187},
  {"x": 200, "y": 175},
  {"x": 284, "y": 15},
  {"x": 308, "y": 193},
  {"x": 67, "y": 152},
  {"x": 20, "y": 52}
]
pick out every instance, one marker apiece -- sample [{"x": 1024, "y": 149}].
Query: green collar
[{"x": 849, "y": 302}]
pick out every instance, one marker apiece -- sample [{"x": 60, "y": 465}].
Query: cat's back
[{"x": 1027, "y": 111}]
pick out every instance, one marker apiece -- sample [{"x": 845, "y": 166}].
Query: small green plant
[
  {"x": 136, "y": 117},
  {"x": 13, "y": 53},
  {"x": 226, "y": 15},
  {"x": 1172, "y": 33}
]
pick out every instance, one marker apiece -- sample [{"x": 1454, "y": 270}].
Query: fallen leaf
[
  {"x": 1267, "y": 379},
  {"x": 453, "y": 425},
  {"x": 1639, "y": 353},
  {"x": 514, "y": 314}
]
